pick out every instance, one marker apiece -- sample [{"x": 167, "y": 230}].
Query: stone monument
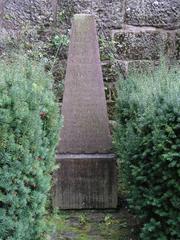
[{"x": 87, "y": 175}]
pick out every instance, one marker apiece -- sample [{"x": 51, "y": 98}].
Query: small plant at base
[
  {"x": 62, "y": 16},
  {"x": 59, "y": 41},
  {"x": 108, "y": 220},
  {"x": 83, "y": 219}
]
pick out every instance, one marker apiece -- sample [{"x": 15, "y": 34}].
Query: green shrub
[
  {"x": 147, "y": 140},
  {"x": 29, "y": 123}
]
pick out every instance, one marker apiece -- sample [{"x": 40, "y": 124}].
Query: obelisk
[{"x": 87, "y": 175}]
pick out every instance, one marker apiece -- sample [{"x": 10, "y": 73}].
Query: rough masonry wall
[
  {"x": 15, "y": 13},
  {"x": 142, "y": 30}
]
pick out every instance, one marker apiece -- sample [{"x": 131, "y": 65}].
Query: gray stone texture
[
  {"x": 142, "y": 65},
  {"x": 141, "y": 44},
  {"x": 108, "y": 13},
  {"x": 86, "y": 181},
  {"x": 177, "y": 39},
  {"x": 17, "y": 13},
  {"x": 163, "y": 15},
  {"x": 158, "y": 13},
  {"x": 84, "y": 108},
  {"x": 109, "y": 71}
]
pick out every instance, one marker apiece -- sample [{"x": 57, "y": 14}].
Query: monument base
[{"x": 86, "y": 181}]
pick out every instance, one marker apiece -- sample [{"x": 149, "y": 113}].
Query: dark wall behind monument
[{"x": 141, "y": 30}]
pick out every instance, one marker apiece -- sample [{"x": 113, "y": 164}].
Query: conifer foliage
[
  {"x": 29, "y": 129},
  {"x": 147, "y": 140}
]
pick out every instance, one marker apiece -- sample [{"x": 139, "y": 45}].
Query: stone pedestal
[
  {"x": 87, "y": 174},
  {"x": 86, "y": 181}
]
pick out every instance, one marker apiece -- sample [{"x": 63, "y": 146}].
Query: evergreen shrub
[
  {"x": 147, "y": 141},
  {"x": 29, "y": 129}
]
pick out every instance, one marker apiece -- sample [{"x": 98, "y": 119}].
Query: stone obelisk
[{"x": 87, "y": 175}]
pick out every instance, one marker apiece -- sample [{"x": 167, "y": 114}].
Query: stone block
[
  {"x": 108, "y": 13},
  {"x": 177, "y": 45},
  {"x": 17, "y": 13},
  {"x": 157, "y": 13},
  {"x": 86, "y": 181},
  {"x": 142, "y": 66},
  {"x": 140, "y": 44}
]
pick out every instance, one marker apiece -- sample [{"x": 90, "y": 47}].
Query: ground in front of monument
[{"x": 93, "y": 225}]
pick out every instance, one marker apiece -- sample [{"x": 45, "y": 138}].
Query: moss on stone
[{"x": 93, "y": 225}]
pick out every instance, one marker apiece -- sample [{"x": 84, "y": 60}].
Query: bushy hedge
[
  {"x": 147, "y": 140},
  {"x": 29, "y": 124}
]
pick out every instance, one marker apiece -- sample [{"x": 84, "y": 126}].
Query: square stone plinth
[{"x": 86, "y": 181}]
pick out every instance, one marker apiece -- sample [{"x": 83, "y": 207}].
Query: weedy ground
[{"x": 92, "y": 225}]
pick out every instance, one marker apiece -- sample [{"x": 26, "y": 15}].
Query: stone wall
[
  {"x": 142, "y": 30},
  {"x": 15, "y": 13}
]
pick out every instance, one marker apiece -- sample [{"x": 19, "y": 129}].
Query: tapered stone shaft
[{"x": 84, "y": 109}]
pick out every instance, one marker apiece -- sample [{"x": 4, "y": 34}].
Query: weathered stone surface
[
  {"x": 86, "y": 181},
  {"x": 84, "y": 108},
  {"x": 16, "y": 13},
  {"x": 178, "y": 45},
  {"x": 1, "y": 8},
  {"x": 159, "y": 13},
  {"x": 110, "y": 72},
  {"x": 87, "y": 176},
  {"x": 141, "y": 44},
  {"x": 142, "y": 65},
  {"x": 108, "y": 13}
]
